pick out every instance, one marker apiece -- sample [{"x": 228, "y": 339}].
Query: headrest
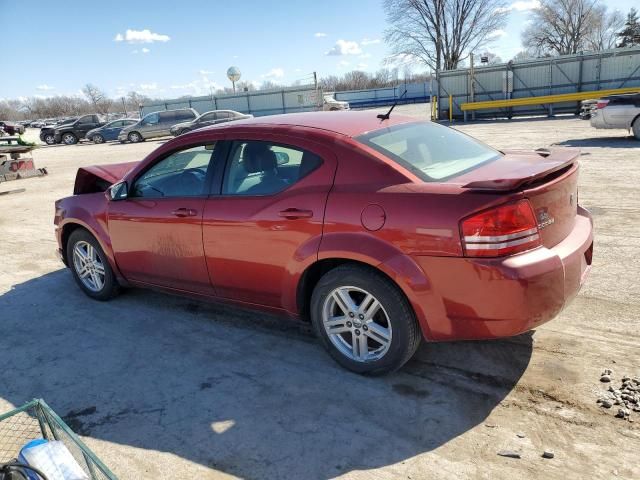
[{"x": 258, "y": 158}]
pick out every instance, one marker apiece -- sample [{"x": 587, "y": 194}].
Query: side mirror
[{"x": 119, "y": 191}]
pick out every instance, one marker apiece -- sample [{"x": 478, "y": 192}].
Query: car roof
[{"x": 349, "y": 123}]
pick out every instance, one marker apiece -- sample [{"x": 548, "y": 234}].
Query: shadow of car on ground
[
  {"x": 626, "y": 141},
  {"x": 242, "y": 392}
]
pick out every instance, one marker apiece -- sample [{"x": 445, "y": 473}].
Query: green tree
[{"x": 630, "y": 34}]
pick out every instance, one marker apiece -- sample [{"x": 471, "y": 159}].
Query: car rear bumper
[{"x": 492, "y": 298}]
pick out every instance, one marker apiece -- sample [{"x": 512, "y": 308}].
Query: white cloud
[
  {"x": 149, "y": 87},
  {"x": 205, "y": 72},
  {"x": 369, "y": 41},
  {"x": 497, "y": 34},
  {"x": 44, "y": 87},
  {"x": 345, "y": 47},
  {"x": 362, "y": 65},
  {"x": 141, "y": 36},
  {"x": 145, "y": 50},
  {"x": 319, "y": 34},
  {"x": 520, "y": 6},
  {"x": 365, "y": 55},
  {"x": 525, "y": 5},
  {"x": 274, "y": 73}
]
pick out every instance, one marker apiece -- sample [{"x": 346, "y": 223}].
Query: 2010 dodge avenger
[{"x": 379, "y": 230}]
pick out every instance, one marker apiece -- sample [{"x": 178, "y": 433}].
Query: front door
[
  {"x": 268, "y": 215},
  {"x": 156, "y": 232}
]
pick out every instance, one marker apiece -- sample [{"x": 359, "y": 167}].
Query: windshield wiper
[{"x": 385, "y": 116}]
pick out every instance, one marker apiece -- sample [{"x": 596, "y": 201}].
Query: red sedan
[{"x": 380, "y": 231}]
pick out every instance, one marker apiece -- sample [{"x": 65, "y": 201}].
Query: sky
[{"x": 182, "y": 47}]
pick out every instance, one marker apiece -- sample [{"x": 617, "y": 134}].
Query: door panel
[
  {"x": 154, "y": 243},
  {"x": 156, "y": 232},
  {"x": 253, "y": 243}
]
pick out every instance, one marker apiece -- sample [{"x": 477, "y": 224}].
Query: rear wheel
[
  {"x": 364, "y": 320},
  {"x": 69, "y": 139},
  {"x": 90, "y": 267},
  {"x": 134, "y": 137},
  {"x": 97, "y": 138}
]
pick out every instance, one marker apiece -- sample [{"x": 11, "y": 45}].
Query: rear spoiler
[{"x": 529, "y": 166}]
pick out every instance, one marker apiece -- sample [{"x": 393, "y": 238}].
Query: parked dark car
[
  {"x": 72, "y": 133},
  {"x": 208, "y": 118},
  {"x": 110, "y": 131},
  {"x": 12, "y": 128},
  {"x": 47, "y": 132}
]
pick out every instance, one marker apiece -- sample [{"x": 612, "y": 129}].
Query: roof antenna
[{"x": 385, "y": 116}]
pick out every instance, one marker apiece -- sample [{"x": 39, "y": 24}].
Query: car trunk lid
[{"x": 548, "y": 178}]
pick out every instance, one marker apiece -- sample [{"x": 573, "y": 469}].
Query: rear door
[
  {"x": 620, "y": 111},
  {"x": 156, "y": 232},
  {"x": 267, "y": 217}
]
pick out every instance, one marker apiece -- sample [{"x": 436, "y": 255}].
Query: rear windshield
[{"x": 431, "y": 151}]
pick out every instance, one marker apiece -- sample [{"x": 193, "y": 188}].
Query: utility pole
[
  {"x": 124, "y": 107},
  {"x": 472, "y": 85}
]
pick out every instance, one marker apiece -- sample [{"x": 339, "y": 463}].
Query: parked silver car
[
  {"x": 156, "y": 124},
  {"x": 618, "y": 111},
  {"x": 208, "y": 118}
]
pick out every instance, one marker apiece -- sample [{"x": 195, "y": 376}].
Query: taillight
[
  {"x": 602, "y": 104},
  {"x": 503, "y": 230}
]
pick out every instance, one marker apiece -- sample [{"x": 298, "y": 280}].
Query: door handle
[
  {"x": 184, "y": 212},
  {"x": 295, "y": 213}
]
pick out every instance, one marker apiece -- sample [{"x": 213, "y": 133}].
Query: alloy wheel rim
[
  {"x": 49, "y": 139},
  {"x": 357, "y": 324},
  {"x": 97, "y": 139},
  {"x": 88, "y": 266},
  {"x": 134, "y": 137},
  {"x": 68, "y": 139}
]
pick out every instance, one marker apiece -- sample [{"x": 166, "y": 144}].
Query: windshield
[{"x": 431, "y": 151}]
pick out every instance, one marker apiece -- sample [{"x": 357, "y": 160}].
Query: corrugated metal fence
[
  {"x": 267, "y": 102},
  {"x": 416, "y": 92},
  {"x": 608, "y": 69}
]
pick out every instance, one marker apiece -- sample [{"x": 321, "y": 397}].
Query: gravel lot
[{"x": 206, "y": 391}]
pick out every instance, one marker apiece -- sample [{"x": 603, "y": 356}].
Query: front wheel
[
  {"x": 49, "y": 139},
  {"x": 90, "y": 267},
  {"x": 636, "y": 128},
  {"x": 134, "y": 137},
  {"x": 364, "y": 320},
  {"x": 97, "y": 138},
  {"x": 69, "y": 139}
]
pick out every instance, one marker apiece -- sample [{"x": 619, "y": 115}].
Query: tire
[
  {"x": 183, "y": 131},
  {"x": 333, "y": 109},
  {"x": 635, "y": 127},
  {"x": 49, "y": 139},
  {"x": 97, "y": 139},
  {"x": 394, "y": 311},
  {"x": 69, "y": 138},
  {"x": 135, "y": 137},
  {"x": 97, "y": 285}
]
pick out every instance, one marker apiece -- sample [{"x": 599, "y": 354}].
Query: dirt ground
[{"x": 206, "y": 391}]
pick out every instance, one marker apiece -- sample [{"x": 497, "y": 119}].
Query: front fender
[{"x": 90, "y": 214}]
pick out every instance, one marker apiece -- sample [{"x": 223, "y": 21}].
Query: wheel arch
[{"x": 399, "y": 269}]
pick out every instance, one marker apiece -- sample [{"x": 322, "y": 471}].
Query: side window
[
  {"x": 181, "y": 174},
  {"x": 208, "y": 117},
  {"x": 185, "y": 115},
  {"x": 85, "y": 120},
  {"x": 264, "y": 168},
  {"x": 152, "y": 119},
  {"x": 222, "y": 116},
  {"x": 167, "y": 117}
]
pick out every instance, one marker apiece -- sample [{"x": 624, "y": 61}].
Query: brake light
[
  {"x": 503, "y": 230},
  {"x": 602, "y": 104}
]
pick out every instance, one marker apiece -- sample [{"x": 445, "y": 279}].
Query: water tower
[{"x": 233, "y": 73}]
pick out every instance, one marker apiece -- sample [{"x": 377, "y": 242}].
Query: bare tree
[
  {"x": 441, "y": 33},
  {"x": 97, "y": 97},
  {"x": 563, "y": 27}
]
